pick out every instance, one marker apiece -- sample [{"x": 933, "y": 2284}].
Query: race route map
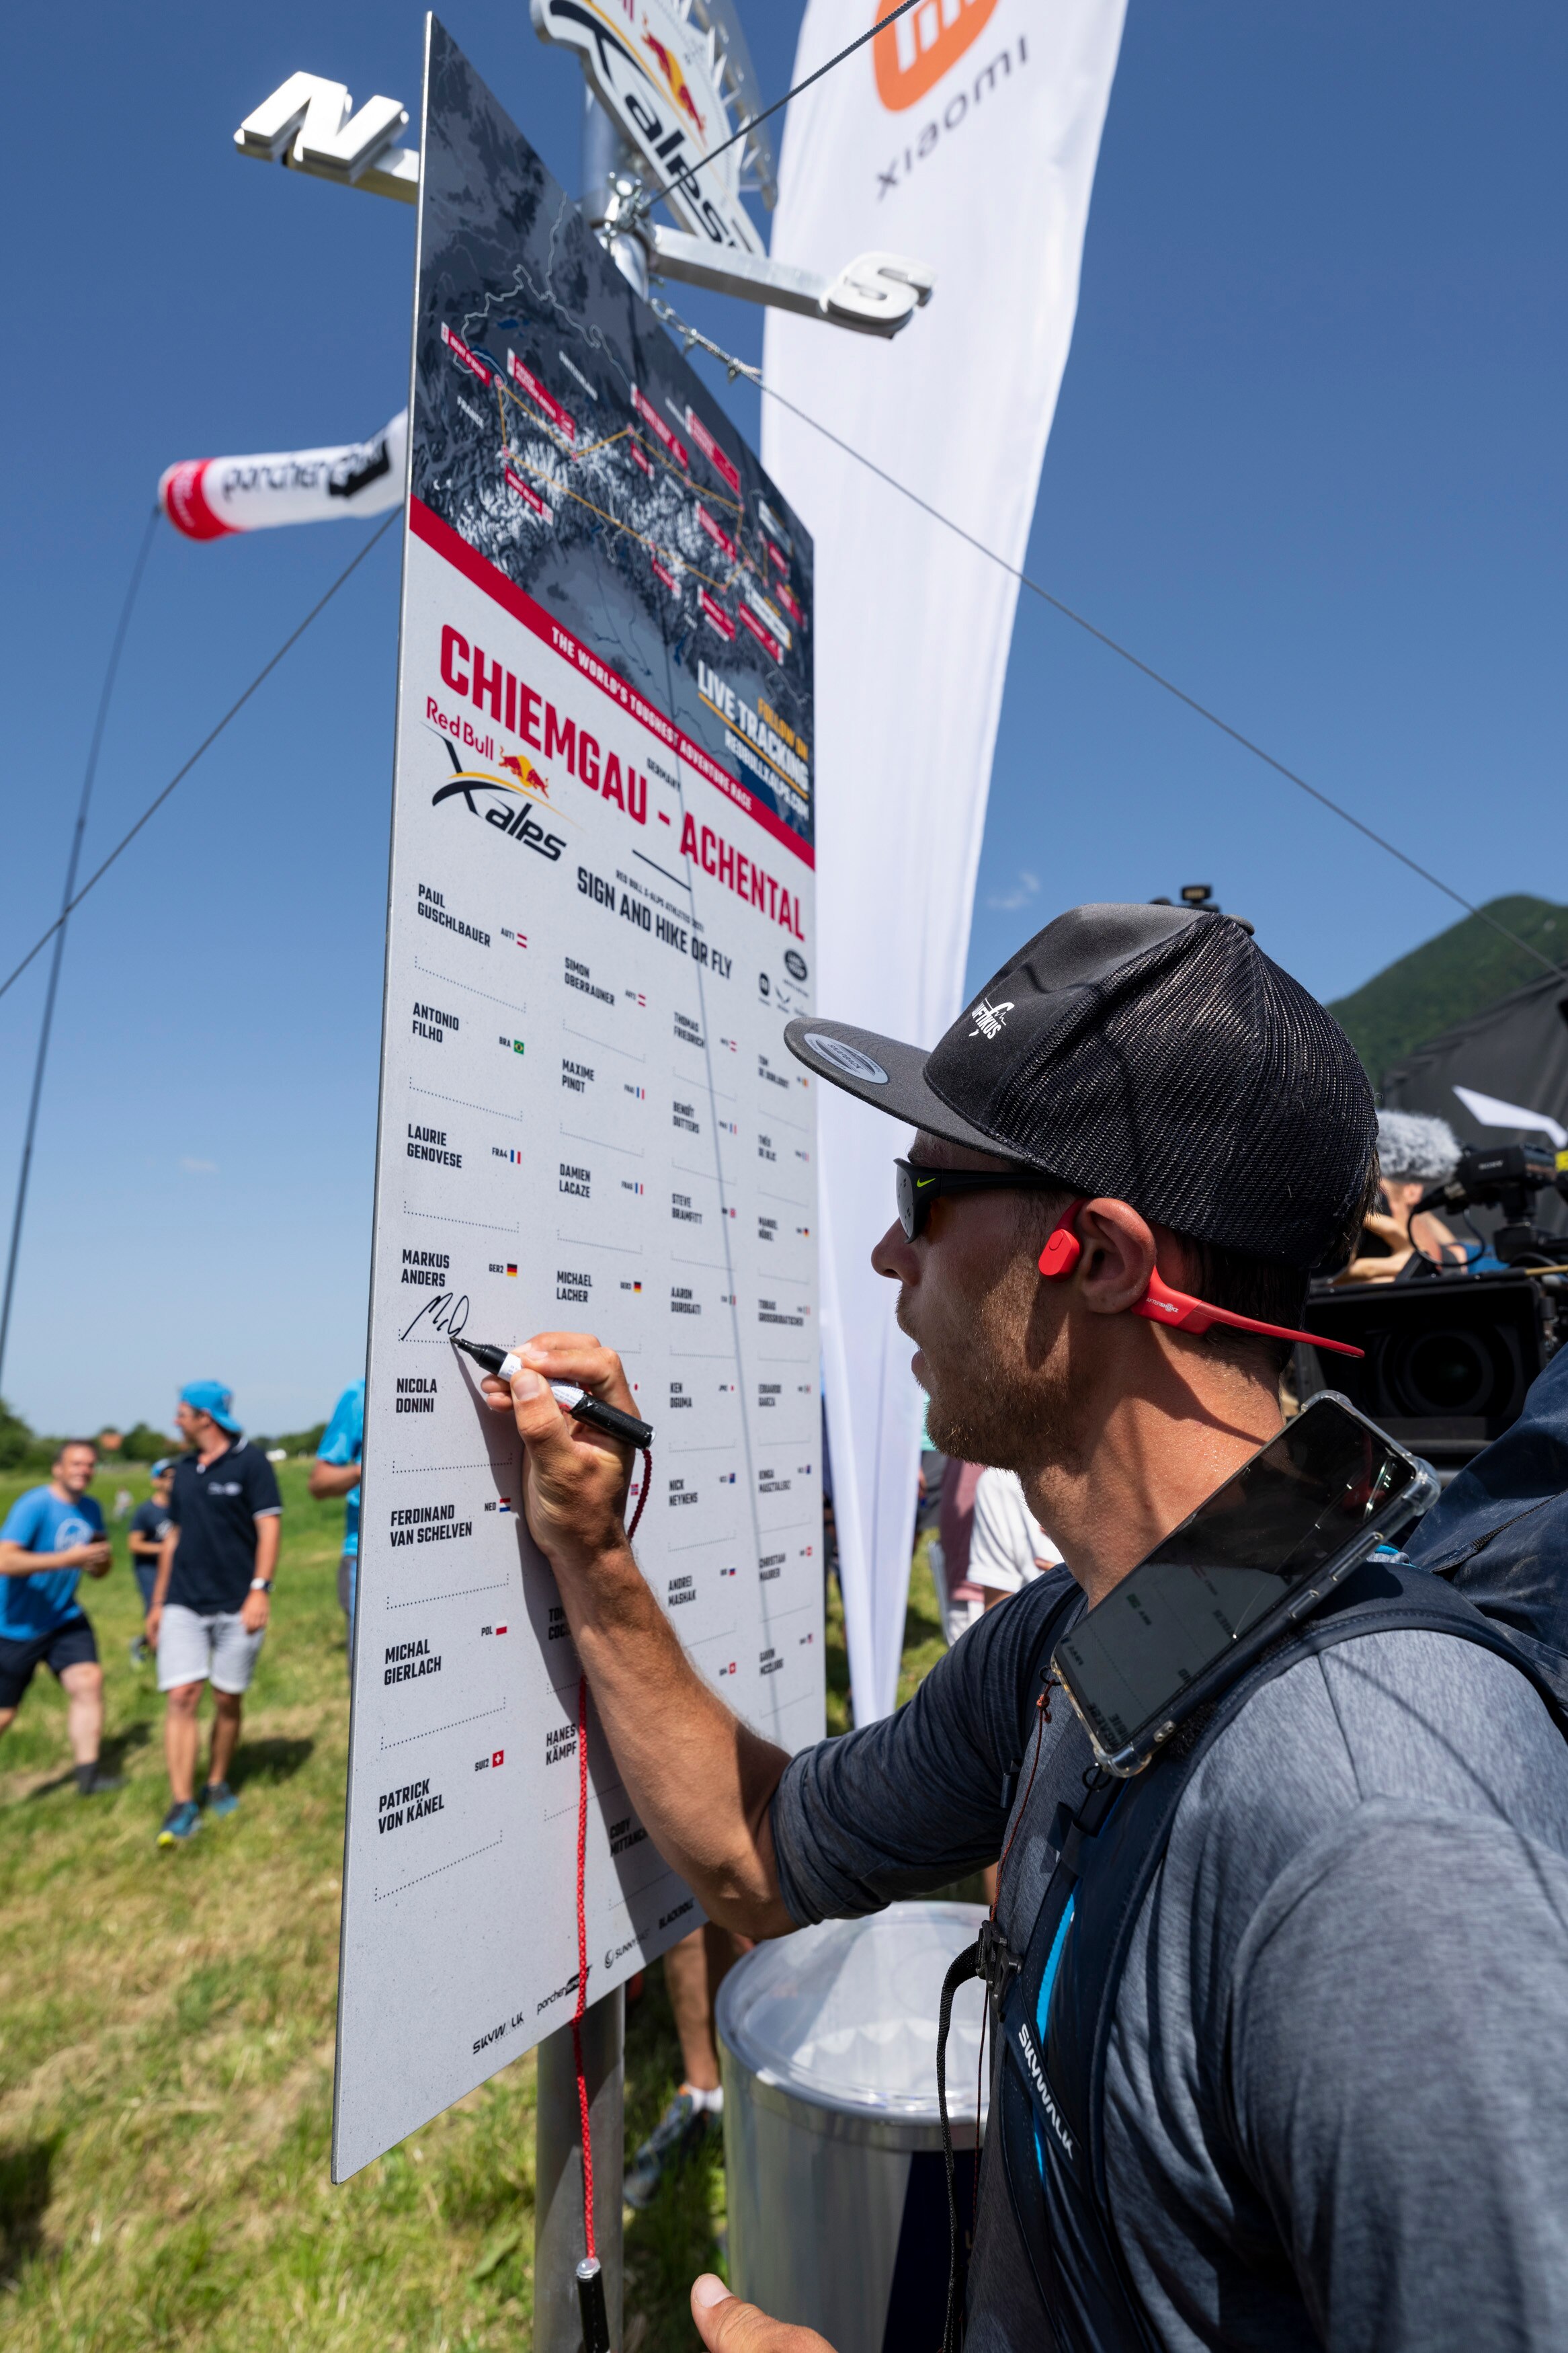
[{"x": 600, "y": 918}]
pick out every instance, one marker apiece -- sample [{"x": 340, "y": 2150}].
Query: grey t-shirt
[{"x": 1337, "y": 2083}]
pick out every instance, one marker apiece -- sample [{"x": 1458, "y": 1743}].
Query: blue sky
[{"x": 1308, "y": 459}]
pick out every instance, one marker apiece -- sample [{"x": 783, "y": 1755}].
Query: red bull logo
[
  {"x": 675, "y": 81},
  {"x": 527, "y": 777}
]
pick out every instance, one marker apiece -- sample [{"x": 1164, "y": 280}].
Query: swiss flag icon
[{"x": 498, "y": 1757}]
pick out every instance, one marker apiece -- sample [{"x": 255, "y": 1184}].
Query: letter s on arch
[{"x": 453, "y": 642}]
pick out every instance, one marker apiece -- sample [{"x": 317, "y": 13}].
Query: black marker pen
[{"x": 568, "y": 1396}]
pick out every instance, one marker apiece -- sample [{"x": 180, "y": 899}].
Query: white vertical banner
[{"x": 964, "y": 137}]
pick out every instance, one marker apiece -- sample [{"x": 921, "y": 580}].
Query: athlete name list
[{"x": 589, "y": 1121}]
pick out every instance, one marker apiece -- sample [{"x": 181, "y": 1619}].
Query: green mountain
[{"x": 1461, "y": 972}]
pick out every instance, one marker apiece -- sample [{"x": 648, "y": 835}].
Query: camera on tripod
[
  {"x": 1506, "y": 1177},
  {"x": 1451, "y": 1352}
]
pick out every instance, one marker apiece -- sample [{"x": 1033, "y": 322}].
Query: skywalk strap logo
[
  {"x": 1043, "y": 2100},
  {"x": 990, "y": 1018}
]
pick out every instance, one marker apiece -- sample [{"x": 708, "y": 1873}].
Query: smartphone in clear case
[{"x": 1258, "y": 1554}]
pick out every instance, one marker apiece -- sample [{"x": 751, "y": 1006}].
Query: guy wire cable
[
  {"x": 234, "y": 708},
  {"x": 739, "y": 367},
  {"x": 753, "y": 375},
  {"x": 90, "y": 775}
]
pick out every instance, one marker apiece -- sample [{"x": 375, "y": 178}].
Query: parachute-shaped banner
[{"x": 209, "y": 498}]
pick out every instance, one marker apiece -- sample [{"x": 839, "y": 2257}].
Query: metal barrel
[{"x": 838, "y": 2194}]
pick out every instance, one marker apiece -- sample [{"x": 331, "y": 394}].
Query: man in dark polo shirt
[{"x": 211, "y": 1603}]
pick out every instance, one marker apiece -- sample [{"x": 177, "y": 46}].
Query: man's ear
[{"x": 1119, "y": 1256}]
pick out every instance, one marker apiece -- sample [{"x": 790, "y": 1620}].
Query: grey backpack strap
[
  {"x": 990, "y": 1958},
  {"x": 1063, "y": 2004}
]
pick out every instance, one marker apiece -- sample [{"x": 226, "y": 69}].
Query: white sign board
[{"x": 600, "y": 919}]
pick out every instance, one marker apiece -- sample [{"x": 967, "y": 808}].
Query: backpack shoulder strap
[
  {"x": 990, "y": 1957},
  {"x": 1116, "y": 1866}
]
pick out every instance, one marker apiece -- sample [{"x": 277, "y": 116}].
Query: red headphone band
[{"x": 1161, "y": 1304}]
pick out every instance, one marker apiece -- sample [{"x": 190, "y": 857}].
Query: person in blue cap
[
  {"x": 335, "y": 1471},
  {"x": 213, "y": 1599}
]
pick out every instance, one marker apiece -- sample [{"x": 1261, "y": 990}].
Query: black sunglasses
[{"x": 919, "y": 1187}]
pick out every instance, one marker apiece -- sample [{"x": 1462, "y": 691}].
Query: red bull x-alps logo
[{"x": 496, "y": 799}]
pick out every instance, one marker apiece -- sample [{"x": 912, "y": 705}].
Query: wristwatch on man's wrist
[{"x": 261, "y": 1585}]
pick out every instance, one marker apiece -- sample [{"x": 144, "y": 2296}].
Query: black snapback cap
[{"x": 1152, "y": 1054}]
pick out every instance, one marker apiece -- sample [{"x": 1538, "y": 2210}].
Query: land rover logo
[
  {"x": 847, "y": 1059},
  {"x": 795, "y": 963}
]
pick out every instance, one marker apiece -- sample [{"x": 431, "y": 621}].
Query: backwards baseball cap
[
  {"x": 211, "y": 1397},
  {"x": 1153, "y": 1054}
]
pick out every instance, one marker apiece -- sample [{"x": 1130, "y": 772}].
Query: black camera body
[
  {"x": 1506, "y": 1177},
  {"x": 1449, "y": 1355}
]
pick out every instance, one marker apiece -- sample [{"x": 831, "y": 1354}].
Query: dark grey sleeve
[
  {"x": 912, "y": 1803},
  {"x": 1399, "y": 2050}
]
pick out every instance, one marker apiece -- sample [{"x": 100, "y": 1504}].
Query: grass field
[{"x": 166, "y": 2027}]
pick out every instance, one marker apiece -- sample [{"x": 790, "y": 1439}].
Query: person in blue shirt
[
  {"x": 335, "y": 1471},
  {"x": 52, "y": 1537},
  {"x": 150, "y": 1524}
]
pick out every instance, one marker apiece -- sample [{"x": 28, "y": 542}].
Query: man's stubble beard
[{"x": 989, "y": 1402}]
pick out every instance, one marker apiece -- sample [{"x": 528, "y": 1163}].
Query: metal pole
[
  {"x": 558, "y": 2173},
  {"x": 610, "y": 178},
  {"x": 87, "y": 785},
  {"x": 611, "y": 181}
]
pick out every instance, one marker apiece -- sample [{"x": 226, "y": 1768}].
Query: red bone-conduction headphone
[{"x": 1160, "y": 1303}]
